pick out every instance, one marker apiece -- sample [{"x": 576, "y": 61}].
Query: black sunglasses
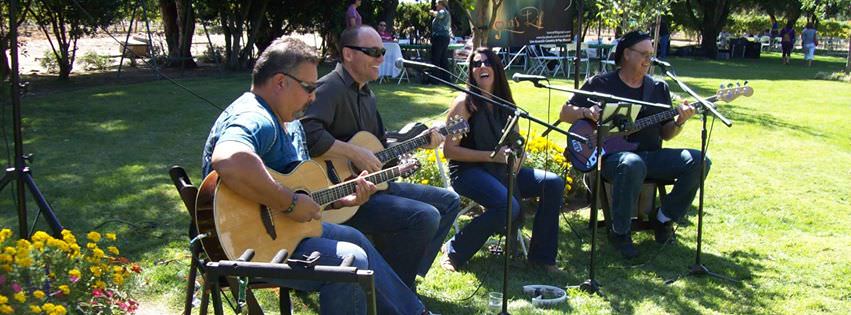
[
  {"x": 308, "y": 87},
  {"x": 479, "y": 63},
  {"x": 369, "y": 51}
]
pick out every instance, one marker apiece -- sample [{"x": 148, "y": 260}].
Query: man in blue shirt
[{"x": 259, "y": 130}]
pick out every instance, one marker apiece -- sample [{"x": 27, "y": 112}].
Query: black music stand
[{"x": 20, "y": 172}]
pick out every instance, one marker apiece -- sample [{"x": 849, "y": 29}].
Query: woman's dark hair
[
  {"x": 500, "y": 81},
  {"x": 810, "y": 25},
  {"x": 790, "y": 24},
  {"x": 351, "y": 2}
]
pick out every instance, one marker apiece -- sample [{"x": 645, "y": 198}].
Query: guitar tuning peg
[
  {"x": 738, "y": 84},
  {"x": 729, "y": 85},
  {"x": 746, "y": 82},
  {"x": 721, "y": 86}
]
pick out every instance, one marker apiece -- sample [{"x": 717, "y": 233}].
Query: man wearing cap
[{"x": 627, "y": 170}]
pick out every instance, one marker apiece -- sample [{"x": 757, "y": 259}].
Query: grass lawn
[{"x": 777, "y": 204}]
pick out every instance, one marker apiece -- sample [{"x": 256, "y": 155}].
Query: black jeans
[{"x": 440, "y": 55}]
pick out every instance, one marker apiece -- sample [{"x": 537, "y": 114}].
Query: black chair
[{"x": 188, "y": 194}]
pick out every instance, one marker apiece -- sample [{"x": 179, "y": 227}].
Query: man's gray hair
[{"x": 285, "y": 54}]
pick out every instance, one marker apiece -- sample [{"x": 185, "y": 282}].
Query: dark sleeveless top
[{"x": 486, "y": 126}]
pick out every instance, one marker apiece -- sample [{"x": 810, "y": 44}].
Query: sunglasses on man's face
[
  {"x": 369, "y": 51},
  {"x": 479, "y": 63},
  {"x": 308, "y": 87}
]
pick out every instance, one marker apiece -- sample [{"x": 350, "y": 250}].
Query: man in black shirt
[
  {"x": 408, "y": 222},
  {"x": 627, "y": 170}
]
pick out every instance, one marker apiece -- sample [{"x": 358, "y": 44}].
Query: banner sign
[{"x": 524, "y": 22}]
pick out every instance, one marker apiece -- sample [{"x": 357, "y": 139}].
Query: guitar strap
[{"x": 647, "y": 88}]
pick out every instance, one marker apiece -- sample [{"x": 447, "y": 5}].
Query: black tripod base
[
  {"x": 591, "y": 286},
  {"x": 25, "y": 175},
  {"x": 701, "y": 270}
]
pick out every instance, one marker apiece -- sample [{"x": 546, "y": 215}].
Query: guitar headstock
[
  {"x": 730, "y": 92},
  {"x": 456, "y": 127},
  {"x": 408, "y": 167}
]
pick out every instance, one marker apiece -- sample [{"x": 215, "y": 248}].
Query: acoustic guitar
[
  {"x": 582, "y": 154},
  {"x": 233, "y": 223},
  {"x": 341, "y": 169}
]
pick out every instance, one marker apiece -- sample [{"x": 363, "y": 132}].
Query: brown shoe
[{"x": 447, "y": 264}]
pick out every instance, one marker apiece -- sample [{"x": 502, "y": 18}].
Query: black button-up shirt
[{"x": 340, "y": 110}]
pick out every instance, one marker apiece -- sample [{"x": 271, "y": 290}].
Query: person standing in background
[
  {"x": 353, "y": 18},
  {"x": 664, "y": 38},
  {"x": 809, "y": 41},
  {"x": 441, "y": 32},
  {"x": 787, "y": 41}
]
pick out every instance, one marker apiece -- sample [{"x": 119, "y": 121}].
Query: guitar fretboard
[
  {"x": 407, "y": 146},
  {"x": 334, "y": 193},
  {"x": 660, "y": 117}
]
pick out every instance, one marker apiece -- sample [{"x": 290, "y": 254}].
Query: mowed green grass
[{"x": 777, "y": 198}]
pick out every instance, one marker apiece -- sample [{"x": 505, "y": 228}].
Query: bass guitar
[
  {"x": 233, "y": 223},
  {"x": 341, "y": 169},
  {"x": 582, "y": 154}
]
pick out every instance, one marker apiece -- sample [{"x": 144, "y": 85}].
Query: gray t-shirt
[{"x": 808, "y": 36}]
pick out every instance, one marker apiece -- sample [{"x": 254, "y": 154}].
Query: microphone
[
  {"x": 401, "y": 63},
  {"x": 660, "y": 63},
  {"x": 517, "y": 77}
]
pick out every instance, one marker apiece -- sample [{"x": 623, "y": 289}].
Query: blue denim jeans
[
  {"x": 485, "y": 189},
  {"x": 336, "y": 242},
  {"x": 627, "y": 171},
  {"x": 408, "y": 223}
]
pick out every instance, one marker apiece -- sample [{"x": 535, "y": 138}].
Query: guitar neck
[
  {"x": 336, "y": 192},
  {"x": 660, "y": 117},
  {"x": 405, "y": 147}
]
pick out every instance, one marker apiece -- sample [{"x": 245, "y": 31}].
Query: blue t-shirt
[{"x": 250, "y": 121}]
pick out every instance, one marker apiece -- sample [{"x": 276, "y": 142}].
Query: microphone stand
[
  {"x": 514, "y": 145},
  {"x": 591, "y": 285},
  {"x": 698, "y": 269}
]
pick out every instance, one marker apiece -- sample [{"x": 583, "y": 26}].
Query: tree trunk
[
  {"x": 848, "y": 62},
  {"x": 484, "y": 20},
  {"x": 715, "y": 15},
  {"x": 389, "y": 13},
  {"x": 168, "y": 11},
  {"x": 186, "y": 28}
]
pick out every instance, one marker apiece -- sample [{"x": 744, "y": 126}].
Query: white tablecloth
[{"x": 388, "y": 67}]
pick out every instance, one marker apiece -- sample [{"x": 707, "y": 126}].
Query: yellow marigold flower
[
  {"x": 117, "y": 269},
  {"x": 3, "y": 299},
  {"x": 99, "y": 284},
  {"x": 21, "y": 297},
  {"x": 74, "y": 273},
  {"x": 59, "y": 310},
  {"x": 35, "y": 309},
  {"x": 96, "y": 270},
  {"x": 6, "y": 268},
  {"x": 118, "y": 279},
  {"x": 40, "y": 236},
  {"x": 39, "y": 294},
  {"x": 5, "y": 258},
  {"x": 23, "y": 261},
  {"x": 23, "y": 244},
  {"x": 424, "y": 182},
  {"x": 69, "y": 238},
  {"x": 110, "y": 236},
  {"x": 9, "y": 250},
  {"x": 39, "y": 245},
  {"x": 93, "y": 236},
  {"x": 74, "y": 247},
  {"x": 4, "y": 234},
  {"x": 65, "y": 289},
  {"x": 48, "y": 307},
  {"x": 6, "y": 309},
  {"x": 98, "y": 253},
  {"x": 113, "y": 250},
  {"x": 91, "y": 245}
]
